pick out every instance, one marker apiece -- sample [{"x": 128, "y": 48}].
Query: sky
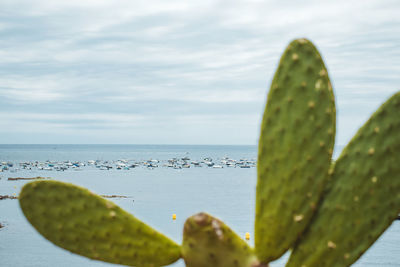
[{"x": 181, "y": 72}]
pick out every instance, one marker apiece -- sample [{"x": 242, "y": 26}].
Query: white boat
[{"x": 217, "y": 167}]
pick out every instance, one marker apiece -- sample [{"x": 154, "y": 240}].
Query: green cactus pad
[
  {"x": 84, "y": 223},
  {"x": 364, "y": 195},
  {"x": 207, "y": 241},
  {"x": 295, "y": 149}
]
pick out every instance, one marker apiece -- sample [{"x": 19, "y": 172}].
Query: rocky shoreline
[
  {"x": 113, "y": 196},
  {"x": 7, "y": 197},
  {"x": 23, "y": 178},
  {"x": 105, "y": 196}
]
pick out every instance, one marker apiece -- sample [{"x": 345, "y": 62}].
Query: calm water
[{"x": 226, "y": 193}]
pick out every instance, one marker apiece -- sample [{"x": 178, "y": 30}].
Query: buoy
[
  {"x": 174, "y": 216},
  {"x": 247, "y": 236}
]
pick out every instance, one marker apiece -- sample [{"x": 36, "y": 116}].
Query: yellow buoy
[
  {"x": 247, "y": 236},
  {"x": 174, "y": 216}
]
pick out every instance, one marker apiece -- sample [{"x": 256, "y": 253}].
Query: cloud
[
  {"x": 160, "y": 59},
  {"x": 100, "y": 127}
]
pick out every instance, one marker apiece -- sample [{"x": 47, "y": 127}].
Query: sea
[{"x": 153, "y": 194}]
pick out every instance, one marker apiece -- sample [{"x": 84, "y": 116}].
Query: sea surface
[{"x": 154, "y": 194}]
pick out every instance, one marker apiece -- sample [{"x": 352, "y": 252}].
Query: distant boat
[{"x": 209, "y": 163}]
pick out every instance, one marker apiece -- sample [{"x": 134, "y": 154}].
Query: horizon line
[
  {"x": 131, "y": 144},
  {"x": 1, "y": 144}
]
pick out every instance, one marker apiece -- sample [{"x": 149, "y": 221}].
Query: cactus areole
[{"x": 327, "y": 214}]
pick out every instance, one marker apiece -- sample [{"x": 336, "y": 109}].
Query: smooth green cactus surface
[
  {"x": 84, "y": 223},
  {"x": 363, "y": 198},
  {"x": 295, "y": 149},
  {"x": 327, "y": 213},
  {"x": 208, "y": 241}
]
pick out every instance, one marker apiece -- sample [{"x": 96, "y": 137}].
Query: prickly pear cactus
[
  {"x": 328, "y": 214},
  {"x": 295, "y": 149},
  {"x": 208, "y": 241},
  {"x": 363, "y": 198},
  {"x": 84, "y": 223}
]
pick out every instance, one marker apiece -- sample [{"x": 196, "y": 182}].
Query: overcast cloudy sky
[{"x": 180, "y": 72}]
